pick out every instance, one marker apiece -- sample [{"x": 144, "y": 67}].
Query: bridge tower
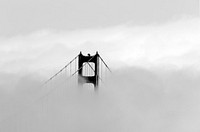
[{"x": 88, "y": 60}]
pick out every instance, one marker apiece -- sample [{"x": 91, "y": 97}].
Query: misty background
[{"x": 152, "y": 48}]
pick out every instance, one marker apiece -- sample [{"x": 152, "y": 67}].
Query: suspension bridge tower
[
  {"x": 90, "y": 74},
  {"x": 90, "y": 70}
]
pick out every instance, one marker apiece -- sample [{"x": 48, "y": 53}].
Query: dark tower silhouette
[{"x": 94, "y": 79}]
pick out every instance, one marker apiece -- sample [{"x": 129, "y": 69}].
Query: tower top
[{"x": 85, "y": 62}]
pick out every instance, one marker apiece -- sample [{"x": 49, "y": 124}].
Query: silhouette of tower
[{"x": 94, "y": 79}]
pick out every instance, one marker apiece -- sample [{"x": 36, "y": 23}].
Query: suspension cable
[
  {"x": 94, "y": 70},
  {"x": 105, "y": 64},
  {"x": 67, "y": 79},
  {"x": 59, "y": 71},
  {"x": 82, "y": 66},
  {"x": 52, "y": 89}
]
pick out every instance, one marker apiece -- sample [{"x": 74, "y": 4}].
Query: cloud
[
  {"x": 28, "y": 16},
  {"x": 132, "y": 99},
  {"x": 154, "y": 85},
  {"x": 173, "y": 43}
]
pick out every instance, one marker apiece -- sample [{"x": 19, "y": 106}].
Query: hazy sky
[
  {"x": 151, "y": 46},
  {"x": 25, "y": 16}
]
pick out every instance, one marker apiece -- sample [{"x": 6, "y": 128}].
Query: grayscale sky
[
  {"x": 25, "y": 16},
  {"x": 152, "y": 47}
]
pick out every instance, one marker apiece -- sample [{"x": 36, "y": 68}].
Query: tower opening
[{"x": 88, "y": 69}]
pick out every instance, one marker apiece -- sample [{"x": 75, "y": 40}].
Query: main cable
[
  {"x": 59, "y": 71},
  {"x": 105, "y": 64}
]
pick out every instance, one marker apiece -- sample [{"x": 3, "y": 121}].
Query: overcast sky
[
  {"x": 25, "y": 16},
  {"x": 151, "y": 46}
]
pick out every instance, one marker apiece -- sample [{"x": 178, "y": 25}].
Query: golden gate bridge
[{"x": 81, "y": 72}]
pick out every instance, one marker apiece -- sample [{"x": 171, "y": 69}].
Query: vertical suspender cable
[
  {"x": 101, "y": 69},
  {"x": 70, "y": 69},
  {"x": 89, "y": 71},
  {"x": 70, "y": 66},
  {"x": 105, "y": 73},
  {"x": 85, "y": 69},
  {"x": 75, "y": 64},
  {"x": 65, "y": 75}
]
